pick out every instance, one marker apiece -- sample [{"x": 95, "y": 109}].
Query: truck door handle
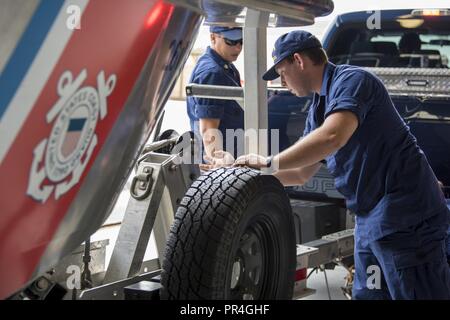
[{"x": 417, "y": 83}]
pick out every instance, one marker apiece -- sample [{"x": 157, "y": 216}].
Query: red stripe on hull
[{"x": 116, "y": 37}]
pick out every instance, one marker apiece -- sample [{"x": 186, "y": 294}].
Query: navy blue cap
[
  {"x": 226, "y": 32},
  {"x": 287, "y": 45}
]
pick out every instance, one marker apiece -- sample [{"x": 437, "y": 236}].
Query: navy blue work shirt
[
  {"x": 383, "y": 174},
  {"x": 212, "y": 69}
]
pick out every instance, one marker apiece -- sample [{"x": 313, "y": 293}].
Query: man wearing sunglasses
[{"x": 211, "y": 118}]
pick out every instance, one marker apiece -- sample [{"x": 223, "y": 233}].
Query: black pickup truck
[{"x": 410, "y": 51}]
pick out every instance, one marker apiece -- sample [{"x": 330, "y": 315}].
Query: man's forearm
[
  {"x": 211, "y": 136},
  {"x": 212, "y": 144},
  {"x": 325, "y": 140},
  {"x": 308, "y": 151}
]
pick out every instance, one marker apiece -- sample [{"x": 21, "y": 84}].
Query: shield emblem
[{"x": 74, "y": 131}]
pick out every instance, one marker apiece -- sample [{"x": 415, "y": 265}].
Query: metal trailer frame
[
  {"x": 161, "y": 181},
  {"x": 159, "y": 184}
]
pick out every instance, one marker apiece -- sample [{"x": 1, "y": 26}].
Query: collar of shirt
[
  {"x": 318, "y": 102},
  {"x": 327, "y": 74},
  {"x": 218, "y": 59}
]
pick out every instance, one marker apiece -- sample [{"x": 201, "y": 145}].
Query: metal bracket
[
  {"x": 331, "y": 247},
  {"x": 114, "y": 290},
  {"x": 142, "y": 181},
  {"x": 137, "y": 226},
  {"x": 303, "y": 253},
  {"x": 223, "y": 92},
  {"x": 164, "y": 180}
]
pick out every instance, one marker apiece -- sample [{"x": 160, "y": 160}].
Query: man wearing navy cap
[
  {"x": 353, "y": 127},
  {"x": 210, "y": 118}
]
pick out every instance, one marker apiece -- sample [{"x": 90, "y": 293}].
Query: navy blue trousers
[{"x": 410, "y": 264}]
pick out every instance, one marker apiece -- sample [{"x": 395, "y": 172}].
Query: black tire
[
  {"x": 231, "y": 222},
  {"x": 168, "y": 134}
]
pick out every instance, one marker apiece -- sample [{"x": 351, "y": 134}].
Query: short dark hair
[{"x": 317, "y": 55}]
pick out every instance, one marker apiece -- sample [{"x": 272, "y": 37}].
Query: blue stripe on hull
[{"x": 26, "y": 50}]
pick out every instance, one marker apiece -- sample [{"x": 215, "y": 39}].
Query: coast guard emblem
[{"x": 62, "y": 157}]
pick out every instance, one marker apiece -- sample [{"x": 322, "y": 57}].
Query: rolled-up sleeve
[{"x": 350, "y": 92}]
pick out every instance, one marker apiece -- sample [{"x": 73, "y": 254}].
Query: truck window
[{"x": 394, "y": 45}]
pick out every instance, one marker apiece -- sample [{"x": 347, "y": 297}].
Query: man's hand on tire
[
  {"x": 220, "y": 159},
  {"x": 252, "y": 160}
]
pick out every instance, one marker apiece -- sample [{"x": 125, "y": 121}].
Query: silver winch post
[{"x": 255, "y": 89}]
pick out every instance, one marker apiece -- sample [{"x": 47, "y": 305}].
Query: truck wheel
[{"x": 233, "y": 237}]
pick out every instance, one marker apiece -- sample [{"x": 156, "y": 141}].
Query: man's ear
[
  {"x": 299, "y": 59},
  {"x": 212, "y": 36}
]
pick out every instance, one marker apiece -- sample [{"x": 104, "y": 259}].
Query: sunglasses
[{"x": 233, "y": 43}]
